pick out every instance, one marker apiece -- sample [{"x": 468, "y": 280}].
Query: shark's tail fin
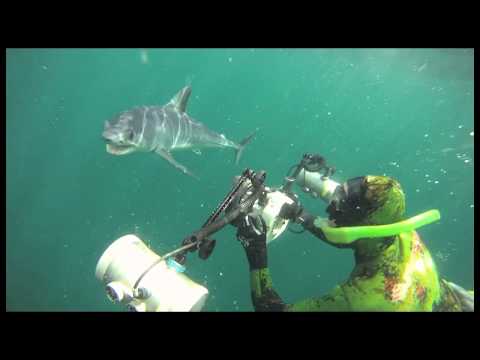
[{"x": 242, "y": 144}]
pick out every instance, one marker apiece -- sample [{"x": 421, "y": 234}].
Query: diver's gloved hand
[
  {"x": 298, "y": 214},
  {"x": 307, "y": 221},
  {"x": 251, "y": 232}
]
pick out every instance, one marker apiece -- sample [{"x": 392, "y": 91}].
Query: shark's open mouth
[{"x": 119, "y": 150}]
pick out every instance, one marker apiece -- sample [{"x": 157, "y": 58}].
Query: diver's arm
[{"x": 264, "y": 297}]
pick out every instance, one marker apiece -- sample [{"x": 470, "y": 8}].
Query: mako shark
[{"x": 161, "y": 129}]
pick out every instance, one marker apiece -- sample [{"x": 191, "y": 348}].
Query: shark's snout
[
  {"x": 112, "y": 134},
  {"x": 116, "y": 143},
  {"x": 108, "y": 135}
]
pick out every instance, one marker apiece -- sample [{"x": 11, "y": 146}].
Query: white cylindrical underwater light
[{"x": 135, "y": 275}]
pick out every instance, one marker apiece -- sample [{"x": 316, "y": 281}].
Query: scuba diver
[{"x": 393, "y": 270}]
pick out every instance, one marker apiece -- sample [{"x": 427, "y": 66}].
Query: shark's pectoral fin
[
  {"x": 180, "y": 100},
  {"x": 167, "y": 156}
]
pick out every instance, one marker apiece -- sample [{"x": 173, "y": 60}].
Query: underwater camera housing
[
  {"x": 142, "y": 280},
  {"x": 269, "y": 207}
]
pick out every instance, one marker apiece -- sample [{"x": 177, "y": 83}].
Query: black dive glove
[
  {"x": 252, "y": 234},
  {"x": 297, "y": 213}
]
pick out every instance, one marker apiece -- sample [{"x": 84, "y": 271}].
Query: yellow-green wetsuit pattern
[{"x": 390, "y": 274}]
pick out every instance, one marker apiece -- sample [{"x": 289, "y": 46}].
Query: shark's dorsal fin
[{"x": 180, "y": 100}]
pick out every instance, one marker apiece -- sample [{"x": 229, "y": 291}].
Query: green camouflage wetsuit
[{"x": 391, "y": 274}]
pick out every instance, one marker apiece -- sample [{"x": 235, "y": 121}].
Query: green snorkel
[{"x": 349, "y": 234}]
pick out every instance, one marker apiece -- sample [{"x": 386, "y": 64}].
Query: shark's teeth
[{"x": 119, "y": 150}]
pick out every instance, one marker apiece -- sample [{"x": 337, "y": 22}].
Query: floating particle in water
[
  {"x": 452, "y": 193},
  {"x": 329, "y": 113},
  {"x": 220, "y": 273},
  {"x": 417, "y": 190},
  {"x": 201, "y": 205},
  {"x": 421, "y": 67},
  {"x": 429, "y": 181},
  {"x": 425, "y": 136},
  {"x": 442, "y": 256},
  {"x": 144, "y": 57},
  {"x": 460, "y": 126},
  {"x": 471, "y": 206},
  {"x": 230, "y": 59},
  {"x": 435, "y": 182},
  {"x": 466, "y": 161},
  {"x": 234, "y": 302},
  {"x": 44, "y": 67},
  {"x": 426, "y": 175},
  {"x": 471, "y": 134}
]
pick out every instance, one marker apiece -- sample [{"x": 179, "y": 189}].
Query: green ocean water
[{"x": 406, "y": 113}]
